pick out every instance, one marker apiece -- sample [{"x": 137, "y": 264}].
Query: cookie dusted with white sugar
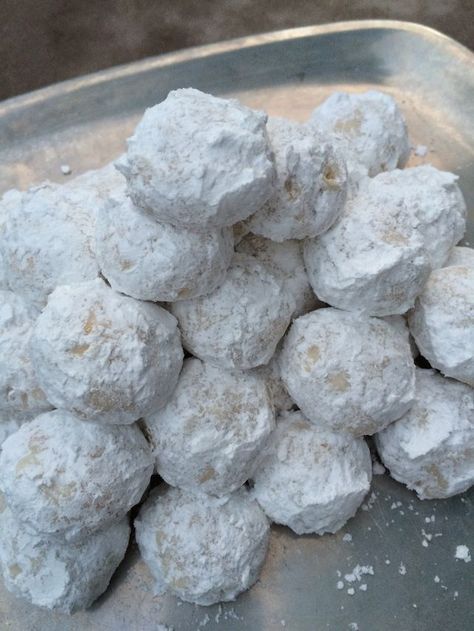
[
  {"x": 442, "y": 322},
  {"x": 311, "y": 479},
  {"x": 270, "y": 373},
  {"x": 430, "y": 448},
  {"x": 209, "y": 436},
  {"x": 286, "y": 261},
  {"x": 199, "y": 162},
  {"x": 104, "y": 356},
  {"x": 348, "y": 372},
  {"x": 373, "y": 260},
  {"x": 21, "y": 396},
  {"x": 156, "y": 261},
  {"x": 48, "y": 236},
  {"x": 310, "y": 188},
  {"x": 431, "y": 199},
  {"x": 67, "y": 577},
  {"x": 367, "y": 128},
  {"x": 461, "y": 255},
  {"x": 65, "y": 478},
  {"x": 200, "y": 548},
  {"x": 399, "y": 322},
  {"x": 240, "y": 324}
]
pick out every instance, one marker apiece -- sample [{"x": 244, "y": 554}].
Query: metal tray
[{"x": 408, "y": 543}]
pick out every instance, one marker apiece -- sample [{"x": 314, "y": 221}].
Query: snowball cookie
[
  {"x": 209, "y": 435},
  {"x": 431, "y": 199},
  {"x": 461, "y": 256},
  {"x": 48, "y": 237},
  {"x": 311, "y": 184},
  {"x": 285, "y": 260},
  {"x": 367, "y": 128},
  {"x": 348, "y": 372},
  {"x": 66, "y": 478},
  {"x": 57, "y": 575},
  {"x": 200, "y": 548},
  {"x": 430, "y": 448},
  {"x": 104, "y": 356},
  {"x": 156, "y": 261},
  {"x": 311, "y": 479},
  {"x": 199, "y": 162},
  {"x": 20, "y": 394},
  {"x": 241, "y": 322},
  {"x": 373, "y": 260},
  {"x": 442, "y": 322}
]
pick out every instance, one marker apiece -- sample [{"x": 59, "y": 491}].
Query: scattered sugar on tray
[
  {"x": 340, "y": 585},
  {"x": 402, "y": 569},
  {"x": 462, "y": 553},
  {"x": 436, "y": 579},
  {"x": 65, "y": 169},
  {"x": 351, "y": 591},
  {"x": 347, "y": 537}
]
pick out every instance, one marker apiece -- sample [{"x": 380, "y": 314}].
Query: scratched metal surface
[{"x": 408, "y": 543}]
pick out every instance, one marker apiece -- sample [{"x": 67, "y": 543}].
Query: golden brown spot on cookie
[
  {"x": 30, "y": 263},
  {"x": 125, "y": 265},
  {"x": 331, "y": 176},
  {"x": 57, "y": 492},
  {"x": 14, "y": 570},
  {"x": 441, "y": 481},
  {"x": 338, "y": 381},
  {"x": 24, "y": 400},
  {"x": 291, "y": 187},
  {"x": 79, "y": 349},
  {"x": 97, "y": 453},
  {"x": 349, "y": 126},
  {"x": 185, "y": 291},
  {"x": 312, "y": 355},
  {"x": 208, "y": 474},
  {"x": 31, "y": 456},
  {"x": 394, "y": 237},
  {"x": 90, "y": 323}
]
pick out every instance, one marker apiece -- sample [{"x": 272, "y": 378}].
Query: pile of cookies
[{"x": 301, "y": 269}]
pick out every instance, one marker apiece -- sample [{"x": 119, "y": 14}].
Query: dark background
[{"x": 44, "y": 41}]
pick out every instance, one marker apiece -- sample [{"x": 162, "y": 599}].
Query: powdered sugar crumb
[{"x": 462, "y": 553}]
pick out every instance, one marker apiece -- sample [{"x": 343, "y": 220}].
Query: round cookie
[
  {"x": 65, "y": 478},
  {"x": 66, "y": 577},
  {"x": 430, "y": 448},
  {"x": 368, "y": 129},
  {"x": 48, "y": 237},
  {"x": 21, "y": 396},
  {"x": 460, "y": 255},
  {"x": 285, "y": 260},
  {"x": 241, "y": 322},
  {"x": 348, "y": 372},
  {"x": 104, "y": 356},
  {"x": 199, "y": 162},
  {"x": 310, "y": 188},
  {"x": 442, "y": 322},
  {"x": 373, "y": 260},
  {"x": 155, "y": 261},
  {"x": 209, "y": 436},
  {"x": 200, "y": 548},
  {"x": 433, "y": 202},
  {"x": 311, "y": 479}
]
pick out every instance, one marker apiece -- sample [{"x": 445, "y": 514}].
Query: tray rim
[{"x": 147, "y": 64}]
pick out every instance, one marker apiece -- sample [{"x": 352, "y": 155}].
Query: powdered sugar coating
[
  {"x": 270, "y": 373},
  {"x": 48, "y": 237},
  {"x": 8, "y": 426},
  {"x": 10, "y": 198},
  {"x": 432, "y": 200},
  {"x": 348, "y": 372},
  {"x": 69, "y": 479},
  {"x": 199, "y": 162},
  {"x": 21, "y": 396},
  {"x": 460, "y": 255},
  {"x": 430, "y": 448},
  {"x": 241, "y": 322},
  {"x": 311, "y": 479},
  {"x": 53, "y": 574},
  {"x": 399, "y": 322},
  {"x": 155, "y": 261},
  {"x": 310, "y": 188},
  {"x": 104, "y": 356},
  {"x": 209, "y": 436},
  {"x": 442, "y": 322},
  {"x": 200, "y": 548},
  {"x": 368, "y": 129},
  {"x": 373, "y": 260},
  {"x": 286, "y": 261}
]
